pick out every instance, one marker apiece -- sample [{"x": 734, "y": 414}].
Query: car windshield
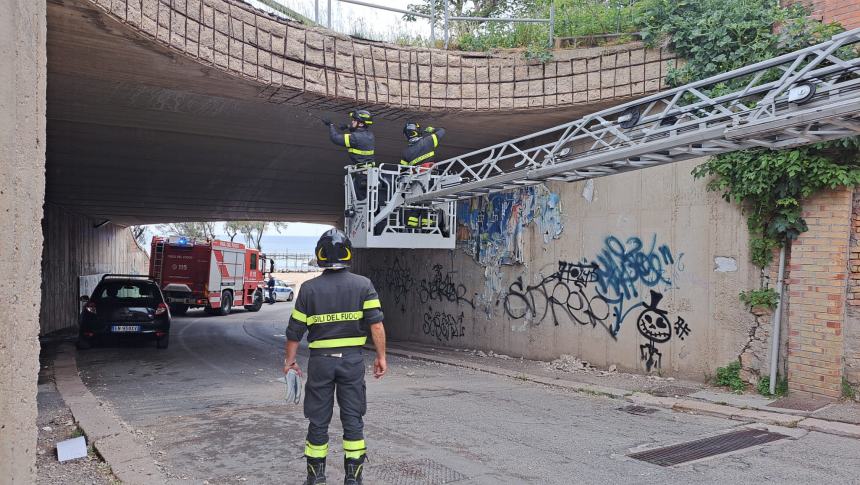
[{"x": 126, "y": 292}]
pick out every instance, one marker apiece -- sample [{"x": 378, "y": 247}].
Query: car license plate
[{"x": 125, "y": 328}]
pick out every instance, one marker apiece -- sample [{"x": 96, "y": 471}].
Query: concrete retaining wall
[
  {"x": 73, "y": 248},
  {"x": 296, "y": 64},
  {"x": 22, "y": 191},
  {"x": 644, "y": 274}
]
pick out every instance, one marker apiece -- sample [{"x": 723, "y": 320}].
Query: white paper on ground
[{"x": 72, "y": 449}]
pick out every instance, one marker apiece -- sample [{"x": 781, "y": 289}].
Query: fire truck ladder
[
  {"x": 158, "y": 261},
  {"x": 803, "y": 97}
]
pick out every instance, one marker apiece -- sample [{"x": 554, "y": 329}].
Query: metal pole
[
  {"x": 432, "y": 23},
  {"x": 317, "y": 11},
  {"x": 777, "y": 321},
  {"x": 445, "y": 7},
  {"x": 551, "y": 22},
  {"x": 329, "y": 14}
]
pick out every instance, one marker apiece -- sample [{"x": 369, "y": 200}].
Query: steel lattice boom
[{"x": 807, "y": 96}]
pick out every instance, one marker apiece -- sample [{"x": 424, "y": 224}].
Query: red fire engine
[{"x": 212, "y": 274}]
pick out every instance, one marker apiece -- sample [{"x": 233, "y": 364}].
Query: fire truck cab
[{"x": 212, "y": 274}]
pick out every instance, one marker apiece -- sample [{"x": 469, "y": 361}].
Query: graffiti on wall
[
  {"x": 605, "y": 292},
  {"x": 443, "y": 326},
  {"x": 395, "y": 281},
  {"x": 441, "y": 287},
  {"x": 491, "y": 227}
]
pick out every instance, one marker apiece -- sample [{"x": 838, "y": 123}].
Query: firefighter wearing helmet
[
  {"x": 337, "y": 309},
  {"x": 359, "y": 142},
  {"x": 421, "y": 151}
]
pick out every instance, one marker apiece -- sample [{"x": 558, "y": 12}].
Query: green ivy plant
[
  {"x": 715, "y": 36},
  {"x": 766, "y": 297}
]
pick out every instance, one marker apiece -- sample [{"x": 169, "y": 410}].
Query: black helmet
[
  {"x": 334, "y": 250},
  {"x": 362, "y": 116},
  {"x": 411, "y": 129}
]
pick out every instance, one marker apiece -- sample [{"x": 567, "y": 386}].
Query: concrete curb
[
  {"x": 788, "y": 420},
  {"x": 129, "y": 460}
]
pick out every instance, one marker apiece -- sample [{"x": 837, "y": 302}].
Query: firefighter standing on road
[
  {"x": 360, "y": 144},
  {"x": 337, "y": 309},
  {"x": 421, "y": 151}
]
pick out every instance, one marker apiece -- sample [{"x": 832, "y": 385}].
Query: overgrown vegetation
[
  {"x": 715, "y": 36},
  {"x": 780, "y": 390},
  {"x": 730, "y": 376},
  {"x": 766, "y": 297},
  {"x": 848, "y": 391}
]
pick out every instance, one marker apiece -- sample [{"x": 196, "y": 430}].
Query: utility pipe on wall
[{"x": 777, "y": 320}]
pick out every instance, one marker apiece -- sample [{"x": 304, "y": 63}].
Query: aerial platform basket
[{"x": 381, "y": 219}]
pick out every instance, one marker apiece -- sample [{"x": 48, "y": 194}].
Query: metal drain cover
[
  {"x": 707, "y": 447},
  {"x": 807, "y": 404},
  {"x": 638, "y": 410},
  {"x": 414, "y": 472},
  {"x": 672, "y": 391}
]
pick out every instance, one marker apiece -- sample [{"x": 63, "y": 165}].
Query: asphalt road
[{"x": 211, "y": 410}]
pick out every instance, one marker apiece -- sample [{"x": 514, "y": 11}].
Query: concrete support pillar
[
  {"x": 818, "y": 282},
  {"x": 23, "y": 67}
]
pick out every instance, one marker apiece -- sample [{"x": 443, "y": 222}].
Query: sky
[
  {"x": 293, "y": 229},
  {"x": 356, "y": 19}
]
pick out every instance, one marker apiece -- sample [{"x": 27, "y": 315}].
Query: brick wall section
[
  {"x": 846, "y": 12},
  {"x": 818, "y": 281},
  {"x": 852, "y": 319},
  {"x": 290, "y": 59}
]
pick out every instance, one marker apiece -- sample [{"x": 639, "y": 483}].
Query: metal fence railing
[{"x": 443, "y": 16}]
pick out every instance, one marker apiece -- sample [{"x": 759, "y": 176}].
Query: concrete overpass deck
[{"x": 209, "y": 109}]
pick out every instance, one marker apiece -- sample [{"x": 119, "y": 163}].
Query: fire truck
[{"x": 215, "y": 275}]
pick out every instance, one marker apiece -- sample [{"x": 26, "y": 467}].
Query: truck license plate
[{"x": 125, "y": 328}]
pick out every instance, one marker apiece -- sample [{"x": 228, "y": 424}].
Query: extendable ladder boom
[{"x": 803, "y": 97}]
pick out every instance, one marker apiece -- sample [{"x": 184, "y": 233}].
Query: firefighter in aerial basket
[
  {"x": 360, "y": 144},
  {"x": 338, "y": 309},
  {"x": 421, "y": 152}
]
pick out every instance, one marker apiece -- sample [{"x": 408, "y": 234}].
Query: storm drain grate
[
  {"x": 672, "y": 391},
  {"x": 414, "y": 472},
  {"x": 707, "y": 447},
  {"x": 638, "y": 410},
  {"x": 807, "y": 404}
]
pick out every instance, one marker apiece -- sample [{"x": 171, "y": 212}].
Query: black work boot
[
  {"x": 316, "y": 472},
  {"x": 352, "y": 469}
]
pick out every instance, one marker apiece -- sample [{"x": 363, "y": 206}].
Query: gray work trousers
[{"x": 330, "y": 375}]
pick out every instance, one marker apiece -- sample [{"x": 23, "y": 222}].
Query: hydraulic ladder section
[{"x": 803, "y": 97}]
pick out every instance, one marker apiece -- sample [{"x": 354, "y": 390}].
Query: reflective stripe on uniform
[
  {"x": 300, "y": 316},
  {"x": 369, "y": 304},
  {"x": 337, "y": 342},
  {"x": 421, "y": 158},
  {"x": 346, "y": 139},
  {"x": 356, "y": 151},
  {"x": 354, "y": 449},
  {"x": 435, "y": 141},
  {"x": 334, "y": 317},
  {"x": 315, "y": 451}
]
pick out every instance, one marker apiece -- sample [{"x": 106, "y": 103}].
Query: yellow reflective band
[
  {"x": 435, "y": 141},
  {"x": 356, "y": 151},
  {"x": 320, "y": 256},
  {"x": 354, "y": 449},
  {"x": 338, "y": 342},
  {"x": 346, "y": 140},
  {"x": 422, "y": 158},
  {"x": 335, "y": 317},
  {"x": 368, "y": 304},
  {"x": 315, "y": 451},
  {"x": 348, "y": 255},
  {"x": 300, "y": 316},
  {"x": 404, "y": 162}
]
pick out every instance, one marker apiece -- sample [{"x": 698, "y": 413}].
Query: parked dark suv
[{"x": 125, "y": 305}]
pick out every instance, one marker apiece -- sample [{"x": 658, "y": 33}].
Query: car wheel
[
  {"x": 178, "y": 309},
  {"x": 290, "y": 297},
  {"x": 163, "y": 342},
  {"x": 258, "y": 302},
  {"x": 83, "y": 343},
  {"x": 226, "y": 304}
]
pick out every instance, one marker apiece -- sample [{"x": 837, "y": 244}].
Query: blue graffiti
[{"x": 621, "y": 267}]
